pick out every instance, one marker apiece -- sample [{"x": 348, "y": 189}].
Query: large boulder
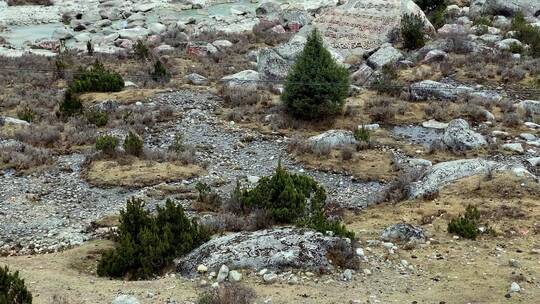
[
  {"x": 247, "y": 79},
  {"x": 331, "y": 139},
  {"x": 386, "y": 55},
  {"x": 134, "y": 34},
  {"x": 348, "y": 30},
  {"x": 444, "y": 173},
  {"x": 530, "y": 106},
  {"x": 504, "y": 7},
  {"x": 403, "y": 232},
  {"x": 429, "y": 89},
  {"x": 271, "y": 249},
  {"x": 460, "y": 137},
  {"x": 271, "y": 65}
]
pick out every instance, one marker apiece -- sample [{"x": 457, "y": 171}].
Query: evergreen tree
[
  {"x": 12, "y": 288},
  {"x": 316, "y": 85}
]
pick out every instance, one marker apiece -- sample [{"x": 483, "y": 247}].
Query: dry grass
[
  {"x": 138, "y": 173},
  {"x": 127, "y": 96}
]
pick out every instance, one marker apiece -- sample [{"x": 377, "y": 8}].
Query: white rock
[
  {"x": 125, "y": 299},
  {"x": 387, "y": 54},
  {"x": 433, "y": 124},
  {"x": 202, "y": 269},
  {"x": 234, "y": 276},
  {"x": 514, "y": 287},
  {"x": 270, "y": 278},
  {"x": 514, "y": 147},
  {"x": 347, "y": 275}
]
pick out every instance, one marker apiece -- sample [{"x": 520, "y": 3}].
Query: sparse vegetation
[
  {"x": 147, "y": 243},
  {"x": 141, "y": 51},
  {"x": 160, "y": 73},
  {"x": 362, "y": 134},
  {"x": 316, "y": 86},
  {"x": 527, "y": 33},
  {"x": 107, "y": 144},
  {"x": 26, "y": 114},
  {"x": 12, "y": 288},
  {"x": 71, "y": 104},
  {"x": 228, "y": 293},
  {"x": 133, "y": 144},
  {"x": 466, "y": 225},
  {"x": 97, "y": 117}
]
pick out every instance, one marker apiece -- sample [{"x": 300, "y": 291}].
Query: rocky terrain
[{"x": 455, "y": 122}]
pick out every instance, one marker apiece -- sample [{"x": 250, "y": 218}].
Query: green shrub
[
  {"x": 141, "y": 50},
  {"x": 96, "y": 79},
  {"x": 362, "y": 134},
  {"x": 466, "y": 225},
  {"x": 148, "y": 244},
  {"x": 412, "y": 31},
  {"x": 316, "y": 86},
  {"x": 291, "y": 199},
  {"x": 207, "y": 199},
  {"x": 160, "y": 73},
  {"x": 430, "y": 5},
  {"x": 527, "y": 33},
  {"x": 515, "y": 48},
  {"x": 483, "y": 20},
  {"x": 133, "y": 144},
  {"x": 71, "y": 104},
  {"x": 107, "y": 144},
  {"x": 178, "y": 145},
  {"x": 387, "y": 82},
  {"x": 12, "y": 288},
  {"x": 97, "y": 117},
  {"x": 26, "y": 114},
  {"x": 435, "y": 10}
]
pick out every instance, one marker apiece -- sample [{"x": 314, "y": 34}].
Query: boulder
[
  {"x": 403, "y": 232},
  {"x": 223, "y": 273},
  {"x": 61, "y": 33},
  {"x": 331, "y": 139},
  {"x": 271, "y": 248},
  {"x": 504, "y": 7},
  {"x": 429, "y": 89},
  {"x": 433, "y": 124},
  {"x": 246, "y": 80},
  {"x": 222, "y": 44},
  {"x": 530, "y": 106},
  {"x": 125, "y": 299},
  {"x": 387, "y": 54},
  {"x": 14, "y": 121},
  {"x": 507, "y": 43},
  {"x": 315, "y": 5},
  {"x": 157, "y": 28},
  {"x": 196, "y": 79},
  {"x": 444, "y": 173},
  {"x": 134, "y": 34},
  {"x": 435, "y": 55},
  {"x": 143, "y": 7},
  {"x": 460, "y": 137},
  {"x": 271, "y": 65},
  {"x": 513, "y": 147},
  {"x": 365, "y": 75}
]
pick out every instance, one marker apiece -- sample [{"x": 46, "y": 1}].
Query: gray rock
[
  {"x": 387, "y": 54},
  {"x": 435, "y": 55},
  {"x": 364, "y": 76},
  {"x": 157, "y": 28},
  {"x": 429, "y": 89},
  {"x": 271, "y": 65},
  {"x": 534, "y": 161},
  {"x": 530, "y": 106},
  {"x": 507, "y": 43},
  {"x": 347, "y": 275},
  {"x": 235, "y": 276},
  {"x": 14, "y": 121},
  {"x": 452, "y": 29},
  {"x": 433, "y": 124},
  {"x": 504, "y": 7},
  {"x": 403, "y": 232},
  {"x": 62, "y": 33},
  {"x": 514, "y": 147},
  {"x": 223, "y": 273},
  {"x": 528, "y": 136},
  {"x": 270, "y": 278},
  {"x": 125, "y": 299},
  {"x": 222, "y": 44},
  {"x": 196, "y": 79},
  {"x": 246, "y": 81},
  {"x": 143, "y": 7},
  {"x": 331, "y": 139},
  {"x": 134, "y": 34},
  {"x": 271, "y": 248},
  {"x": 460, "y": 137},
  {"x": 444, "y": 173},
  {"x": 514, "y": 287}
]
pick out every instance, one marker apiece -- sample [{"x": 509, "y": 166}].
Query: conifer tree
[{"x": 316, "y": 86}]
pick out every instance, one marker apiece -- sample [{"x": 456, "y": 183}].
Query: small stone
[
  {"x": 223, "y": 273},
  {"x": 366, "y": 271},
  {"x": 234, "y": 276},
  {"x": 270, "y": 278},
  {"x": 215, "y": 285},
  {"x": 514, "y": 287},
  {"x": 202, "y": 269},
  {"x": 514, "y": 263},
  {"x": 360, "y": 252},
  {"x": 263, "y": 272},
  {"x": 347, "y": 275}
]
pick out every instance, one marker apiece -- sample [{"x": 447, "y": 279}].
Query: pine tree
[{"x": 316, "y": 85}]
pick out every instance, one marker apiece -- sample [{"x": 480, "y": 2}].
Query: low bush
[
  {"x": 160, "y": 73},
  {"x": 26, "y": 114},
  {"x": 147, "y": 244},
  {"x": 412, "y": 31},
  {"x": 527, "y": 33},
  {"x": 97, "y": 117},
  {"x": 71, "y": 105},
  {"x": 96, "y": 79},
  {"x": 12, "y": 288},
  {"x": 291, "y": 199},
  {"x": 107, "y": 144},
  {"x": 381, "y": 110},
  {"x": 228, "y": 293},
  {"x": 387, "y": 82},
  {"x": 466, "y": 225},
  {"x": 26, "y": 158},
  {"x": 39, "y": 135},
  {"x": 141, "y": 51},
  {"x": 362, "y": 134},
  {"x": 207, "y": 199},
  {"x": 133, "y": 144},
  {"x": 483, "y": 20}
]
